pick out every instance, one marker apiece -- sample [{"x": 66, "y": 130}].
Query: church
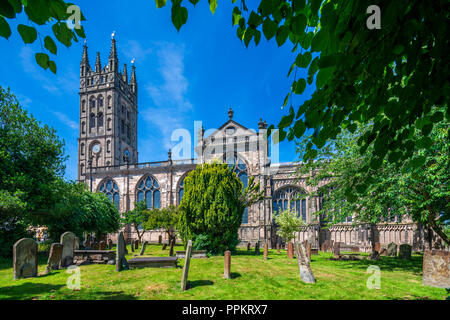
[{"x": 108, "y": 162}]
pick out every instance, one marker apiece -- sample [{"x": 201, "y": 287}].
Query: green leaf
[
  {"x": 418, "y": 161},
  {"x": 303, "y": 60},
  {"x": 248, "y": 35},
  {"x": 5, "y": 30},
  {"x": 179, "y": 16},
  {"x": 42, "y": 60},
  {"x": 27, "y": 33},
  {"x": 298, "y": 5},
  {"x": 257, "y": 37},
  {"x": 269, "y": 28},
  {"x": 52, "y": 66},
  {"x": 298, "y": 24},
  {"x": 426, "y": 129},
  {"x": 236, "y": 16},
  {"x": 282, "y": 35},
  {"x": 299, "y": 128},
  {"x": 62, "y": 33},
  {"x": 194, "y": 2},
  {"x": 161, "y": 3},
  {"x": 323, "y": 76},
  {"x": 7, "y": 10},
  {"x": 254, "y": 20},
  {"x": 16, "y": 4},
  {"x": 286, "y": 99},
  {"x": 319, "y": 42},
  {"x": 299, "y": 86},
  {"x": 50, "y": 44},
  {"x": 212, "y": 5}
]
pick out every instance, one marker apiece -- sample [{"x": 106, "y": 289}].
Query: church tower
[{"x": 108, "y": 114}]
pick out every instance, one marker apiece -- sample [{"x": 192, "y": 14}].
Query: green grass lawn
[{"x": 252, "y": 278}]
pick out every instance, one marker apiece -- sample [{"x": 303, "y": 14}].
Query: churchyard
[{"x": 252, "y": 276}]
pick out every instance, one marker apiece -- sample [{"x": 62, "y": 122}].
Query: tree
[
  {"x": 78, "y": 210},
  {"x": 213, "y": 204},
  {"x": 394, "y": 189},
  {"x": 31, "y": 163},
  {"x": 137, "y": 218},
  {"x": 166, "y": 219},
  {"x": 288, "y": 224},
  {"x": 42, "y": 13},
  {"x": 390, "y": 76}
]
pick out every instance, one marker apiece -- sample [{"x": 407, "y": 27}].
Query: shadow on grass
[
  {"x": 386, "y": 264},
  {"x": 199, "y": 283},
  {"x": 28, "y": 290},
  {"x": 234, "y": 275}
]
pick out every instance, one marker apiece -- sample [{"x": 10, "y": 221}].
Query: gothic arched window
[
  {"x": 290, "y": 198},
  {"x": 83, "y": 127},
  {"x": 240, "y": 169},
  {"x": 92, "y": 121},
  {"x": 148, "y": 190},
  {"x": 111, "y": 190},
  {"x": 100, "y": 101},
  {"x": 100, "y": 119}
]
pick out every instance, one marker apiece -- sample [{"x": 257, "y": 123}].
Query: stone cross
[
  {"x": 227, "y": 265},
  {"x": 306, "y": 273},
  {"x": 68, "y": 242},
  {"x": 405, "y": 251},
  {"x": 290, "y": 250},
  {"x": 257, "y": 247},
  {"x": 121, "y": 262},
  {"x": 54, "y": 258},
  {"x": 187, "y": 260},
  {"x": 143, "y": 247},
  {"x": 266, "y": 250},
  {"x": 25, "y": 258}
]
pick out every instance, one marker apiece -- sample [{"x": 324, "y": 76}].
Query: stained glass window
[
  {"x": 111, "y": 190},
  {"x": 148, "y": 190}
]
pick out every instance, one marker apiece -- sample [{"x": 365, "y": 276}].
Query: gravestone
[
  {"x": 102, "y": 245},
  {"x": 68, "y": 242},
  {"x": 257, "y": 247},
  {"x": 121, "y": 262},
  {"x": 25, "y": 258},
  {"x": 187, "y": 261},
  {"x": 227, "y": 265},
  {"x": 337, "y": 249},
  {"x": 132, "y": 246},
  {"x": 248, "y": 246},
  {"x": 306, "y": 273},
  {"x": 143, "y": 247},
  {"x": 266, "y": 250},
  {"x": 110, "y": 244},
  {"x": 160, "y": 239},
  {"x": 54, "y": 258},
  {"x": 290, "y": 250},
  {"x": 76, "y": 244},
  {"x": 392, "y": 249},
  {"x": 436, "y": 270},
  {"x": 405, "y": 251}
]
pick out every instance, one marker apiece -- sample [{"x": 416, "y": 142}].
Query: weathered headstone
[
  {"x": 121, "y": 262},
  {"x": 436, "y": 268},
  {"x": 405, "y": 251},
  {"x": 392, "y": 249},
  {"x": 290, "y": 250},
  {"x": 25, "y": 259},
  {"x": 306, "y": 273},
  {"x": 54, "y": 258},
  {"x": 160, "y": 239},
  {"x": 68, "y": 242},
  {"x": 266, "y": 250},
  {"x": 227, "y": 265},
  {"x": 102, "y": 245},
  {"x": 337, "y": 249},
  {"x": 257, "y": 247},
  {"x": 144, "y": 245},
  {"x": 110, "y": 244},
  {"x": 248, "y": 246},
  {"x": 187, "y": 261}
]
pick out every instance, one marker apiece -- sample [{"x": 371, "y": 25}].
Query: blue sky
[{"x": 192, "y": 75}]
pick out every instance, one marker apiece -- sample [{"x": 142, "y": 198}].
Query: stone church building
[{"x": 108, "y": 162}]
